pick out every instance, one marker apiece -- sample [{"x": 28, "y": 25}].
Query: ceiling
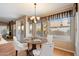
[{"x": 10, "y": 11}]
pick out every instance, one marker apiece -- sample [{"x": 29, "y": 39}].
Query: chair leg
[
  {"x": 40, "y": 46},
  {"x": 26, "y": 52},
  {"x": 16, "y": 52},
  {"x": 29, "y": 53}
]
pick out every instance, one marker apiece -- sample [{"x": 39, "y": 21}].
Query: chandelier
[{"x": 35, "y": 18}]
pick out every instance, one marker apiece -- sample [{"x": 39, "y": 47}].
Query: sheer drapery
[
  {"x": 62, "y": 27},
  {"x": 57, "y": 20},
  {"x": 60, "y": 15}
]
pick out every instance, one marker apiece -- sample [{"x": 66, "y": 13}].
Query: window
[
  {"x": 4, "y": 30},
  {"x": 30, "y": 28},
  {"x": 60, "y": 28},
  {"x": 38, "y": 28}
]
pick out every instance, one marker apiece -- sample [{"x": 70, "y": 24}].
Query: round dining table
[{"x": 34, "y": 43}]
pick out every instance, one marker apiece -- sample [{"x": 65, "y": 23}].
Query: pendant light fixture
[{"x": 35, "y": 18}]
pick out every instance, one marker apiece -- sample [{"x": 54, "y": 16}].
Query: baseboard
[{"x": 64, "y": 49}]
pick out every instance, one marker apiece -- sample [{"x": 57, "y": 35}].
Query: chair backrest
[
  {"x": 46, "y": 50},
  {"x": 15, "y": 40},
  {"x": 17, "y": 43},
  {"x": 49, "y": 38}
]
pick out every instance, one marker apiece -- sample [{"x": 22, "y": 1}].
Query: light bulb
[
  {"x": 33, "y": 17},
  {"x": 38, "y": 18},
  {"x": 18, "y": 27},
  {"x": 34, "y": 20},
  {"x": 22, "y": 27}
]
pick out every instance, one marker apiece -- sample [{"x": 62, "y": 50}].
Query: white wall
[
  {"x": 27, "y": 27},
  {"x": 18, "y": 31},
  {"x": 77, "y": 33},
  {"x": 21, "y": 34},
  {"x": 77, "y": 37}
]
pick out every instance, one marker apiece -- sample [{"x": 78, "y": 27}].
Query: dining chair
[
  {"x": 50, "y": 39},
  {"x": 36, "y": 52},
  {"x": 19, "y": 46},
  {"x": 46, "y": 49}
]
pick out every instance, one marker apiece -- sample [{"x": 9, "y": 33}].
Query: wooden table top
[{"x": 36, "y": 40}]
